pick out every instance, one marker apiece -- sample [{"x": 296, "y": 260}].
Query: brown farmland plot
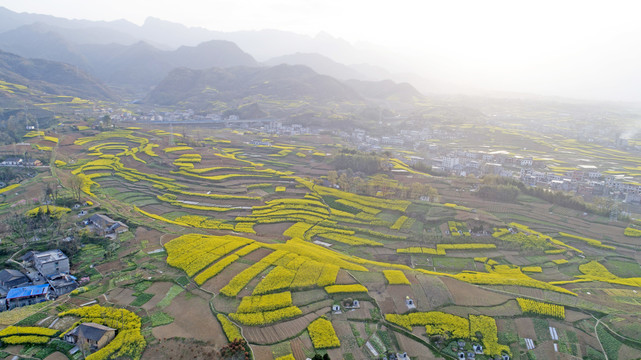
[
  {"x": 159, "y": 290},
  {"x": 219, "y": 281},
  {"x": 183, "y": 349},
  {"x": 278, "y": 332},
  {"x": 120, "y": 296},
  {"x": 470, "y": 295},
  {"x": 525, "y": 328},
  {"x": 192, "y": 319}
]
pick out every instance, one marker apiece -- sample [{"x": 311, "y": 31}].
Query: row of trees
[
  {"x": 494, "y": 183},
  {"x": 380, "y": 184},
  {"x": 365, "y": 163},
  {"x": 505, "y": 193}
]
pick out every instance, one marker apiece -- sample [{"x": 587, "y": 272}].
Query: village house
[
  {"x": 28, "y": 295},
  {"x": 106, "y": 225},
  {"x": 91, "y": 336},
  {"x": 48, "y": 263},
  {"x": 62, "y": 283},
  {"x": 10, "y": 278}
]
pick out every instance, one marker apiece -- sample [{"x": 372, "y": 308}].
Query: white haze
[{"x": 579, "y": 49}]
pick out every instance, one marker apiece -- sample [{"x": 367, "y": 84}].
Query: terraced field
[{"x": 256, "y": 237}]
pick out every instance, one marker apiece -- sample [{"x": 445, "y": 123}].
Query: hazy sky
[{"x": 562, "y": 47}]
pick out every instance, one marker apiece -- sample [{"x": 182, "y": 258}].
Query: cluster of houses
[
  {"x": 277, "y": 127},
  {"x": 157, "y": 116},
  {"x": 18, "y": 161},
  {"x": 47, "y": 277},
  {"x": 586, "y": 180}
]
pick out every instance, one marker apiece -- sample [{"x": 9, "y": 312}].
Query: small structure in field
[
  {"x": 351, "y": 304},
  {"x": 410, "y": 303}
]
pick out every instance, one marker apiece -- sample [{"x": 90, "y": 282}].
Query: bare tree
[
  {"x": 48, "y": 193},
  {"x": 18, "y": 226},
  {"x": 75, "y": 186}
]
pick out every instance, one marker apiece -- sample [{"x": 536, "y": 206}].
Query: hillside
[
  {"x": 385, "y": 90},
  {"x": 283, "y": 82},
  {"x": 319, "y": 63},
  {"x": 41, "y": 42},
  {"x": 50, "y": 77},
  {"x": 142, "y": 65}
]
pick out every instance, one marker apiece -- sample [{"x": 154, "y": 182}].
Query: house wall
[
  {"x": 15, "y": 283},
  {"x": 14, "y": 303},
  {"x": 106, "y": 338},
  {"x": 64, "y": 289},
  {"x": 84, "y": 343}
]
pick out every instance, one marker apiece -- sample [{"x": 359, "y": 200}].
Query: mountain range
[
  {"x": 263, "y": 45},
  {"x": 166, "y": 63},
  {"x": 282, "y": 82}
]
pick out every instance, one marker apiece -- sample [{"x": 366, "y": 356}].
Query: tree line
[
  {"x": 380, "y": 184},
  {"x": 493, "y": 186}
]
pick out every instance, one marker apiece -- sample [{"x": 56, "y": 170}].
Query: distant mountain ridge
[
  {"x": 51, "y": 77},
  {"x": 385, "y": 90},
  {"x": 263, "y": 45},
  {"x": 319, "y": 63},
  {"x": 283, "y": 82},
  {"x": 138, "y": 66},
  {"x": 138, "y": 60}
]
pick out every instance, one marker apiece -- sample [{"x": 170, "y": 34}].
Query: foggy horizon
[{"x": 575, "y": 50}]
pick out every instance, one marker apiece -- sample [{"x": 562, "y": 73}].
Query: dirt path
[{"x": 597, "y": 337}]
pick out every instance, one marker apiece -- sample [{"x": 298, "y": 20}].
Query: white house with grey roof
[{"x": 50, "y": 262}]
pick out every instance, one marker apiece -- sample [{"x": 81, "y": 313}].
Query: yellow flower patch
[
  {"x": 541, "y": 308},
  {"x": 323, "y": 334},
  {"x": 396, "y": 277}
]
